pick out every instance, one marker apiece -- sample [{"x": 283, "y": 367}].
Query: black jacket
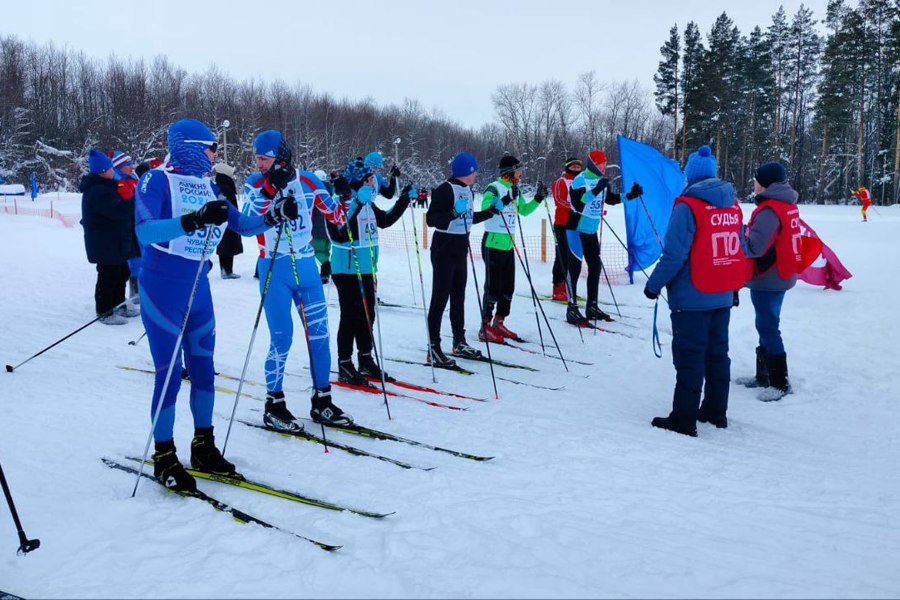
[
  {"x": 108, "y": 222},
  {"x": 440, "y": 213}
]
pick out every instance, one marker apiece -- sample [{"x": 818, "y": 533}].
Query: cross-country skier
[
  {"x": 560, "y": 191},
  {"x": 497, "y": 247},
  {"x": 451, "y": 214},
  {"x": 295, "y": 278},
  {"x": 589, "y": 192},
  {"x": 375, "y": 161},
  {"x": 354, "y": 262},
  {"x": 176, "y": 209},
  {"x": 865, "y": 200}
]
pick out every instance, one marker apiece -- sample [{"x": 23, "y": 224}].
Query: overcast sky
[{"x": 450, "y": 55}]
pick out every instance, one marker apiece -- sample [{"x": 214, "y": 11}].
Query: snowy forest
[{"x": 817, "y": 92}]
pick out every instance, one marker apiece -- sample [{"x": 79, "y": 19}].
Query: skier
[
  {"x": 231, "y": 244},
  {"x": 451, "y": 214},
  {"x": 321, "y": 243},
  {"x": 354, "y": 259},
  {"x": 772, "y": 241},
  {"x": 127, "y": 180},
  {"x": 174, "y": 236},
  {"x": 375, "y": 161},
  {"x": 295, "y": 280},
  {"x": 109, "y": 239},
  {"x": 588, "y": 193},
  {"x": 701, "y": 273},
  {"x": 560, "y": 189},
  {"x": 497, "y": 247},
  {"x": 865, "y": 199}
]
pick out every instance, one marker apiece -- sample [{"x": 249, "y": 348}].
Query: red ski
[
  {"x": 375, "y": 390},
  {"x": 422, "y": 388}
]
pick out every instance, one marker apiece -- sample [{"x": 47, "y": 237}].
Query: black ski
[
  {"x": 456, "y": 368},
  {"x": 501, "y": 363},
  {"x": 590, "y": 325},
  {"x": 238, "y": 515},
  {"x": 309, "y": 437},
  {"x": 8, "y": 596},
  {"x": 262, "y": 488},
  {"x": 382, "y": 435}
]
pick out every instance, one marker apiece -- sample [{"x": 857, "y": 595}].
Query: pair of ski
[{"x": 463, "y": 371}]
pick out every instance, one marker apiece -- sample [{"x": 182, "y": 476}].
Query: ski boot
[
  {"x": 594, "y": 313},
  {"x": 369, "y": 369},
  {"x": 574, "y": 316},
  {"x": 669, "y": 424},
  {"x": 169, "y": 470},
  {"x": 464, "y": 350},
  {"x": 440, "y": 359},
  {"x": 347, "y": 373},
  {"x": 489, "y": 333},
  {"x": 206, "y": 457},
  {"x": 560, "y": 294},
  {"x": 325, "y": 412},
  {"x": 277, "y": 416},
  {"x": 505, "y": 331},
  {"x": 762, "y": 372}
]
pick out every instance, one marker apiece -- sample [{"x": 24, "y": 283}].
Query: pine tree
[
  {"x": 666, "y": 79},
  {"x": 691, "y": 92},
  {"x": 803, "y": 52},
  {"x": 777, "y": 36}
]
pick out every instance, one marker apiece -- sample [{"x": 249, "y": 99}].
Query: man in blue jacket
[{"x": 701, "y": 266}]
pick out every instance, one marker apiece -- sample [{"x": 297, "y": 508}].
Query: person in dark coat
[
  {"x": 109, "y": 238},
  {"x": 231, "y": 244}
]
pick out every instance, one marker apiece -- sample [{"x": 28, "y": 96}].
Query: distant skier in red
[{"x": 863, "y": 194}]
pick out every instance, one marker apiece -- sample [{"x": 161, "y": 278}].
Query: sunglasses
[{"x": 213, "y": 147}]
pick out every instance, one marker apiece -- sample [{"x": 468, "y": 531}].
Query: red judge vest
[
  {"x": 788, "y": 243},
  {"x": 718, "y": 263}
]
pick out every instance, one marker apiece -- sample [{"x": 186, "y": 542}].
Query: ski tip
[{"x": 10, "y": 368}]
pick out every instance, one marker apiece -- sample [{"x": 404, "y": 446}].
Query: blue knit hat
[
  {"x": 188, "y": 141},
  {"x": 374, "y": 160},
  {"x": 357, "y": 171},
  {"x": 463, "y": 164},
  {"x": 700, "y": 165},
  {"x": 98, "y": 162},
  {"x": 267, "y": 143},
  {"x": 769, "y": 173}
]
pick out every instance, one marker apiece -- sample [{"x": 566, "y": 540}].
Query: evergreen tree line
[{"x": 828, "y": 107}]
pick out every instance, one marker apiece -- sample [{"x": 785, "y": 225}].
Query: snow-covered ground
[{"x": 584, "y": 499}]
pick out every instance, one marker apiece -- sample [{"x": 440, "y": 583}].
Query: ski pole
[
  {"x": 137, "y": 341},
  {"x": 562, "y": 261},
  {"x": 422, "y": 288},
  {"x": 302, "y": 309},
  {"x": 650, "y": 219},
  {"x": 603, "y": 267},
  {"x": 412, "y": 284},
  {"x": 633, "y": 257},
  {"x": 262, "y": 301},
  {"x": 487, "y": 344},
  {"x": 175, "y": 352},
  {"x": 10, "y": 368},
  {"x": 527, "y": 267},
  {"x": 25, "y": 545},
  {"x": 534, "y": 297}
]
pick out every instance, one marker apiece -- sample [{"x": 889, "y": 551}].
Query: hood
[
  {"x": 719, "y": 193},
  {"x": 782, "y": 192}
]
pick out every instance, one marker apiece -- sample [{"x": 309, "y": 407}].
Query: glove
[
  {"x": 497, "y": 205},
  {"x": 284, "y": 209},
  {"x": 211, "y": 213},
  {"x": 395, "y": 172},
  {"x": 224, "y": 169},
  {"x": 342, "y": 187},
  {"x": 226, "y": 186},
  {"x": 277, "y": 178},
  {"x": 541, "y": 192},
  {"x": 365, "y": 194},
  {"x": 408, "y": 192},
  {"x": 515, "y": 192},
  {"x": 460, "y": 207},
  {"x": 650, "y": 294},
  {"x": 601, "y": 185},
  {"x": 636, "y": 190}
]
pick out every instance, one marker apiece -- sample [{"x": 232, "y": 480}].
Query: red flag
[{"x": 829, "y": 274}]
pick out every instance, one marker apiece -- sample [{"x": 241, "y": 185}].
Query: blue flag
[
  {"x": 647, "y": 217},
  {"x": 34, "y": 187}
]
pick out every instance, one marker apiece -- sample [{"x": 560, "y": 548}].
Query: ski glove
[
  {"x": 211, "y": 213},
  {"x": 365, "y": 194},
  {"x": 408, "y": 192},
  {"x": 461, "y": 207},
  {"x": 651, "y": 294},
  {"x": 342, "y": 187},
  {"x": 284, "y": 209},
  {"x": 395, "y": 172},
  {"x": 636, "y": 190},
  {"x": 277, "y": 178},
  {"x": 541, "y": 192},
  {"x": 601, "y": 185},
  {"x": 515, "y": 191}
]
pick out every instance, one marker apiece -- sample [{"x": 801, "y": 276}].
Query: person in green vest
[{"x": 504, "y": 197}]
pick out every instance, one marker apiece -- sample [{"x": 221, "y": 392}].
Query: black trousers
[
  {"x": 110, "y": 289},
  {"x": 353, "y": 325},
  {"x": 499, "y": 280},
  {"x": 449, "y": 276},
  {"x": 226, "y": 261},
  {"x": 559, "y": 265},
  {"x": 590, "y": 246}
]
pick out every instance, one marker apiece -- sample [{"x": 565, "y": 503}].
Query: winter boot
[
  {"x": 347, "y": 373},
  {"x": 778, "y": 378},
  {"x": 169, "y": 470},
  {"x": 488, "y": 333},
  {"x": 369, "y": 369},
  {"x": 133, "y": 294},
  {"x": 719, "y": 422},
  {"x": 128, "y": 311},
  {"x": 230, "y": 275},
  {"x": 670, "y": 425},
  {"x": 324, "y": 411},
  {"x": 762, "y": 372},
  {"x": 277, "y": 416},
  {"x": 574, "y": 316},
  {"x": 325, "y": 272},
  {"x": 502, "y": 329},
  {"x": 560, "y": 294},
  {"x": 440, "y": 359},
  {"x": 594, "y": 313},
  {"x": 113, "y": 319},
  {"x": 464, "y": 350},
  {"x": 206, "y": 457}
]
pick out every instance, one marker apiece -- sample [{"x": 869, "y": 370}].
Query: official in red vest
[
  {"x": 702, "y": 265},
  {"x": 772, "y": 241}
]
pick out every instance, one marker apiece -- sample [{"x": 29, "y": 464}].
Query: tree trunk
[
  {"x": 820, "y": 184},
  {"x": 684, "y": 122},
  {"x": 861, "y": 134},
  {"x": 675, "y": 116},
  {"x": 897, "y": 156}
]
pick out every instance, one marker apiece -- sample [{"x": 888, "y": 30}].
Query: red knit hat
[{"x": 597, "y": 157}]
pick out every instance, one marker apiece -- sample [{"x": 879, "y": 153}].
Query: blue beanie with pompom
[{"x": 700, "y": 165}]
